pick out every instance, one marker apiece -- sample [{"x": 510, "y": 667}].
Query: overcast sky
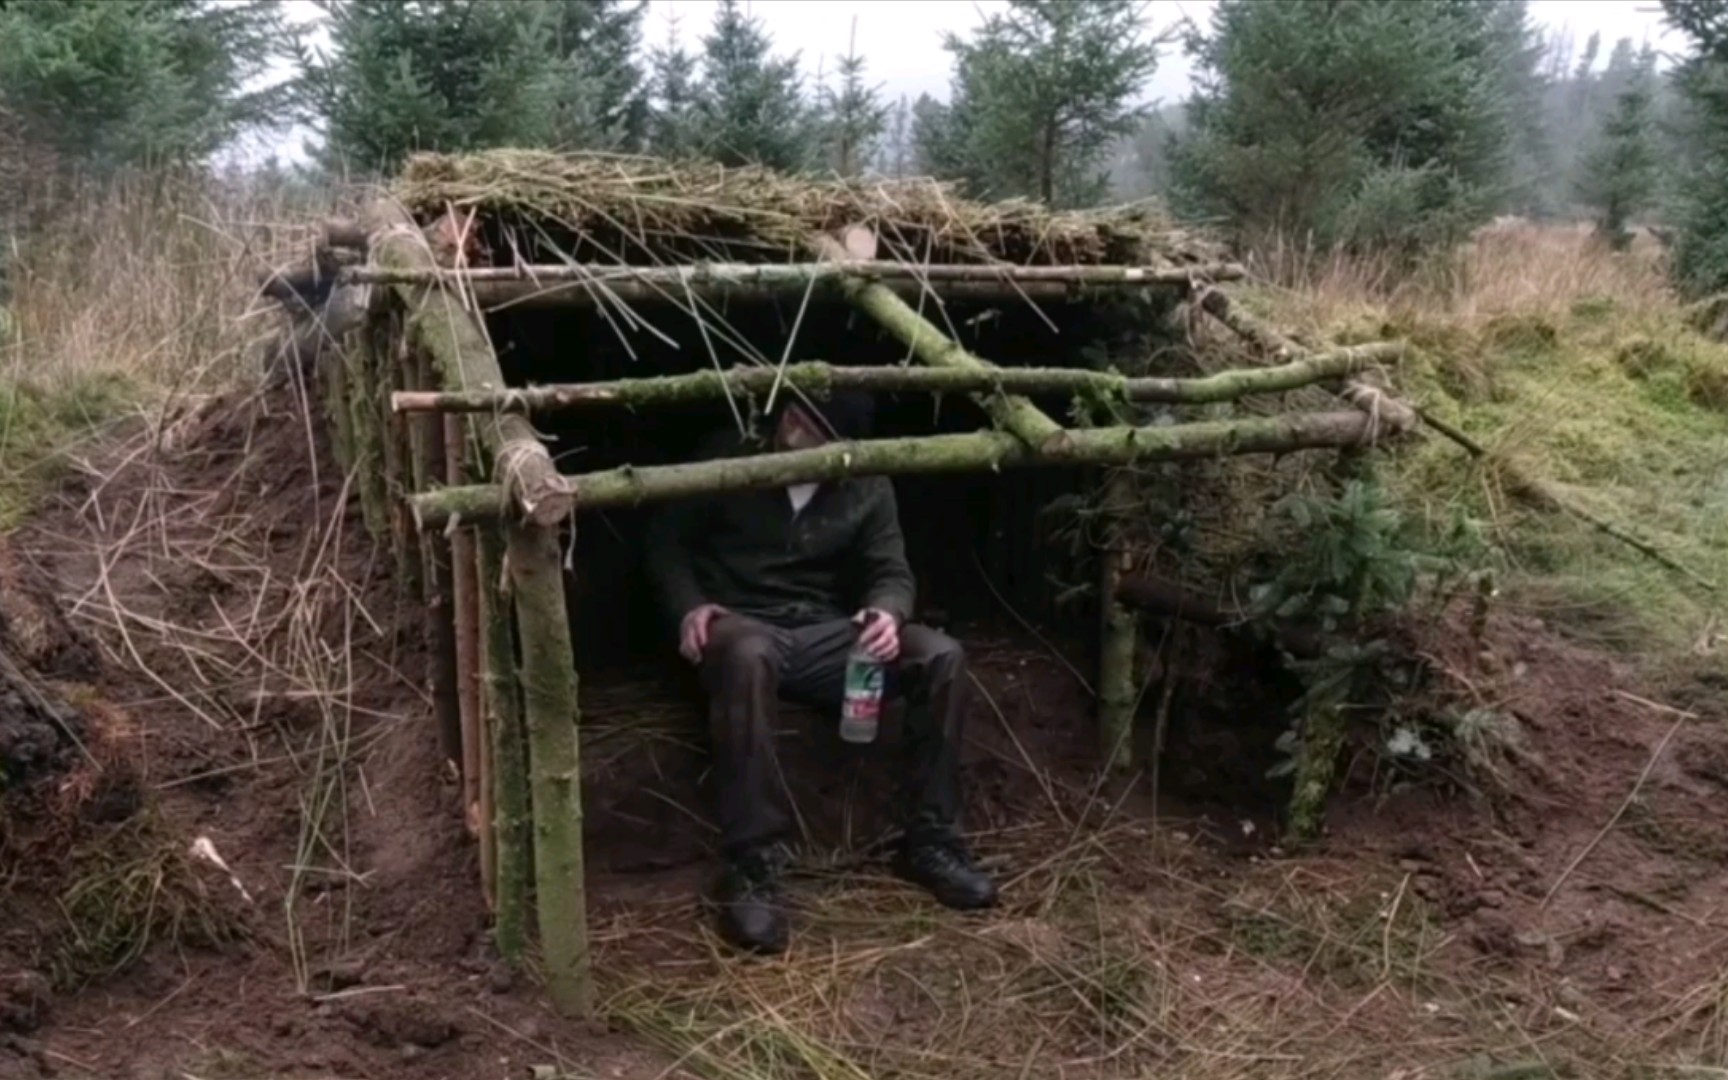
[{"x": 902, "y": 39}]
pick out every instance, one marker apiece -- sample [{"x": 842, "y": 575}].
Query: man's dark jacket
[{"x": 749, "y": 553}]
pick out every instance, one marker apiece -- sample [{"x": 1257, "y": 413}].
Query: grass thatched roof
[{"x": 645, "y": 210}]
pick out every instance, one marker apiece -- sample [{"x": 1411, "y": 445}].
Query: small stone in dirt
[
  {"x": 1491, "y": 898},
  {"x": 410, "y": 1052},
  {"x": 1535, "y": 939}
]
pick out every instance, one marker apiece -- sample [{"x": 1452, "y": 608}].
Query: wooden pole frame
[
  {"x": 1010, "y": 412},
  {"x": 464, "y": 361},
  {"x": 1118, "y": 635},
  {"x": 493, "y": 296},
  {"x": 440, "y": 586},
  {"x": 794, "y": 276},
  {"x": 521, "y": 717},
  {"x": 976, "y": 451},
  {"x": 457, "y": 356},
  {"x": 819, "y": 379},
  {"x": 510, "y": 802},
  {"x": 548, "y": 678},
  {"x": 465, "y": 609}
]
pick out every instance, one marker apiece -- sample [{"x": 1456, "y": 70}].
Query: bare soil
[{"x": 232, "y": 640}]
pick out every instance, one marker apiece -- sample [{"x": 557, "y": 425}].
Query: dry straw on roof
[{"x": 645, "y": 210}]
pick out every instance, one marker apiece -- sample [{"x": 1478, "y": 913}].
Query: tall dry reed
[
  {"x": 1512, "y": 268},
  {"x": 150, "y": 277}
]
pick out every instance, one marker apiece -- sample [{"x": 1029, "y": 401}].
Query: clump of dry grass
[
  {"x": 129, "y": 888},
  {"x": 1119, "y": 952},
  {"x": 1519, "y": 269},
  {"x": 146, "y": 277},
  {"x": 125, "y": 294},
  {"x": 645, "y": 208}
]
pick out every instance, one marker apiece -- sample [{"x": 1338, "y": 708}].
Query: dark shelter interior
[{"x": 978, "y": 543}]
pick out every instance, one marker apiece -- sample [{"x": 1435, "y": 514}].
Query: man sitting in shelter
[{"x": 770, "y": 590}]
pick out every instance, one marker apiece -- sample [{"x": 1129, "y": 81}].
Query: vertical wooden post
[
  {"x": 1118, "y": 634},
  {"x": 366, "y": 425},
  {"x": 549, "y": 699},
  {"x": 333, "y": 365},
  {"x": 454, "y": 340},
  {"x": 404, "y": 538},
  {"x": 509, "y": 761},
  {"x": 465, "y": 605},
  {"x": 439, "y": 587}
]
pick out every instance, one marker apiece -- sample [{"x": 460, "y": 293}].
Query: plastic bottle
[{"x": 861, "y": 705}]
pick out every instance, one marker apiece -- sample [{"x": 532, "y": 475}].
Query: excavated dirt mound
[
  {"x": 65, "y": 784},
  {"x": 255, "y": 666}
]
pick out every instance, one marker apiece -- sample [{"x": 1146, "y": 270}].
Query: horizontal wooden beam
[
  {"x": 798, "y": 275},
  {"x": 818, "y": 379},
  {"x": 976, "y": 451},
  {"x": 533, "y": 295}
]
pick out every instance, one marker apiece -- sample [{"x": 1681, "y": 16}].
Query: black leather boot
[
  {"x": 751, "y": 911},
  {"x": 943, "y": 866}
]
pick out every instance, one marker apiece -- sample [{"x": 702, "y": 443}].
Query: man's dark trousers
[{"x": 748, "y": 665}]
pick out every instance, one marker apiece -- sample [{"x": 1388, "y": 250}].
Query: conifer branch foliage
[
  {"x": 1701, "y": 206},
  {"x": 1384, "y": 124},
  {"x": 851, "y": 118},
  {"x": 1039, "y": 95},
  {"x": 1619, "y": 171},
  {"x": 106, "y": 84},
  {"x": 468, "y": 74}
]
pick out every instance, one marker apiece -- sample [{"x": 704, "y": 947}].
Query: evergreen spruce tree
[
  {"x": 853, "y": 118},
  {"x": 938, "y": 144},
  {"x": 1382, "y": 124},
  {"x": 672, "y": 93},
  {"x": 1047, "y": 87},
  {"x": 446, "y": 75},
  {"x": 595, "y": 84},
  {"x": 109, "y": 83},
  {"x": 1619, "y": 172},
  {"x": 751, "y": 107},
  {"x": 895, "y": 156},
  {"x": 1701, "y": 205}
]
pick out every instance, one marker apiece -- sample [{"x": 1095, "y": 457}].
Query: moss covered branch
[
  {"x": 465, "y": 361},
  {"x": 510, "y": 801},
  {"x": 1010, "y": 412},
  {"x": 820, "y": 379},
  {"x": 970, "y": 452},
  {"x": 1119, "y": 637},
  {"x": 555, "y": 780}
]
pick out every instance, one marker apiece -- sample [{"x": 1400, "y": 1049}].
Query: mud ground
[{"x": 206, "y": 597}]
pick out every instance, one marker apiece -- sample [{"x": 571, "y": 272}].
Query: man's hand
[
  {"x": 693, "y": 632},
  {"x": 881, "y": 635}
]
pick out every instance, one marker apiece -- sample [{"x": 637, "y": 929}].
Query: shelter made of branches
[{"x": 548, "y": 337}]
